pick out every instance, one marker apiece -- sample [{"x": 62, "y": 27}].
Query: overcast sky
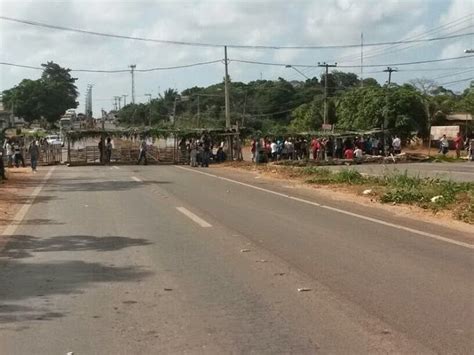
[{"x": 252, "y": 22}]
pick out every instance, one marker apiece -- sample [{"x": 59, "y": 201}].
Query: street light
[
  {"x": 297, "y": 70},
  {"x": 176, "y": 99}
]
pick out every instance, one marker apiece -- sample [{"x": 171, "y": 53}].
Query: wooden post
[{"x": 69, "y": 151}]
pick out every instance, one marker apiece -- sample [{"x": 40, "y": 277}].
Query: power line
[
  {"x": 119, "y": 70},
  {"x": 423, "y": 35},
  {"x": 456, "y": 81},
  {"x": 453, "y": 74},
  {"x": 214, "y": 45},
  {"x": 353, "y": 66}
]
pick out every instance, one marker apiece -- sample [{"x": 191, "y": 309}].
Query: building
[{"x": 463, "y": 120}]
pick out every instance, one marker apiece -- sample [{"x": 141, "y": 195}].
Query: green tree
[
  {"x": 25, "y": 99},
  {"x": 48, "y": 97},
  {"x": 60, "y": 91}
]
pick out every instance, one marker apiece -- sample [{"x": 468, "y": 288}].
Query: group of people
[
  {"x": 201, "y": 151},
  {"x": 105, "y": 150},
  {"x": 13, "y": 151},
  {"x": 459, "y": 144},
  {"x": 320, "y": 148}
]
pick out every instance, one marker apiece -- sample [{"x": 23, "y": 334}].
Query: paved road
[
  {"x": 452, "y": 171},
  {"x": 161, "y": 259}
]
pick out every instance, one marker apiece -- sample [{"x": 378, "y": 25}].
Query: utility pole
[
  {"x": 362, "y": 59},
  {"x": 117, "y": 100},
  {"x": 227, "y": 103},
  {"x": 389, "y": 70},
  {"x": 89, "y": 101},
  {"x": 132, "y": 71},
  {"x": 124, "y": 100},
  {"x": 149, "y": 113},
  {"x": 327, "y": 66}
]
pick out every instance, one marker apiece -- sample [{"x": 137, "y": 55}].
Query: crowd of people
[
  {"x": 204, "y": 150},
  {"x": 15, "y": 149},
  {"x": 460, "y": 143},
  {"x": 322, "y": 148}
]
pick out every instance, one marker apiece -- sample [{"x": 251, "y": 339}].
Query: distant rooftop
[{"x": 459, "y": 116}]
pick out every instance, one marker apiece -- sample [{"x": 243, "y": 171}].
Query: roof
[{"x": 459, "y": 116}]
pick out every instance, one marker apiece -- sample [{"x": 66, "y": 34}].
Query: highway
[{"x": 173, "y": 260}]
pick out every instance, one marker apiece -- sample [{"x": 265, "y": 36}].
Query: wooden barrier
[{"x": 126, "y": 155}]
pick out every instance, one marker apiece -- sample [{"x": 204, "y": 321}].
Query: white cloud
[{"x": 271, "y": 22}]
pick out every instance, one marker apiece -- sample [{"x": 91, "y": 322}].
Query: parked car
[{"x": 54, "y": 139}]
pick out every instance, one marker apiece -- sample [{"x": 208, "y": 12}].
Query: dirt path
[{"x": 14, "y": 193}]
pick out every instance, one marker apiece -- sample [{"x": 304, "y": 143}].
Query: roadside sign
[{"x": 326, "y": 126}]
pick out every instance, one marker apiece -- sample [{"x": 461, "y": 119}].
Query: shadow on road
[
  {"x": 27, "y": 286},
  {"x": 24, "y": 246},
  {"x": 96, "y": 186}
]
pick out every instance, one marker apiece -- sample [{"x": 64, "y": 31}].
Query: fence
[
  {"x": 49, "y": 155},
  {"x": 126, "y": 155}
]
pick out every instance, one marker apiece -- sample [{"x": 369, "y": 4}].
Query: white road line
[
  {"x": 136, "y": 179},
  {"x": 20, "y": 215},
  {"x": 193, "y": 217},
  {"x": 115, "y": 167},
  {"x": 338, "y": 210}
]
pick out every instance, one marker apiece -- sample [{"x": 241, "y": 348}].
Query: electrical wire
[
  {"x": 352, "y": 66},
  {"x": 393, "y": 49},
  {"x": 456, "y": 81},
  {"x": 238, "y": 46},
  {"x": 120, "y": 70}
]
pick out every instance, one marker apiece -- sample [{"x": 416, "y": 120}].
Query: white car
[{"x": 54, "y": 139}]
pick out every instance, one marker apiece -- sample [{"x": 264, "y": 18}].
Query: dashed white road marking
[
  {"x": 115, "y": 167},
  {"x": 193, "y": 217},
  {"x": 136, "y": 179},
  {"x": 20, "y": 215},
  {"x": 338, "y": 210}
]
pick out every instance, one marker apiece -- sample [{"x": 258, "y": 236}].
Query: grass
[
  {"x": 395, "y": 188},
  {"x": 398, "y": 188}
]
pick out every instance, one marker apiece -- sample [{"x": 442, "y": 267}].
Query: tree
[
  {"x": 308, "y": 117},
  {"x": 48, "y": 97},
  {"x": 60, "y": 91},
  {"x": 25, "y": 99}
]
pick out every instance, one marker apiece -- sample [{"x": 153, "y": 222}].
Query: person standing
[
  {"x": 142, "y": 154},
  {"x": 108, "y": 150},
  {"x": 206, "y": 148},
  {"x": 193, "y": 154},
  {"x": 34, "y": 155},
  {"x": 274, "y": 150},
  {"x": 444, "y": 144},
  {"x": 397, "y": 145},
  {"x": 458, "y": 144},
  {"x": 253, "y": 149},
  {"x": 2, "y": 167},
  {"x": 8, "y": 150},
  {"x": 18, "y": 156}
]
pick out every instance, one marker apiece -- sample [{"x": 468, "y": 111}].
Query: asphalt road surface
[
  {"x": 165, "y": 259},
  {"x": 453, "y": 171}
]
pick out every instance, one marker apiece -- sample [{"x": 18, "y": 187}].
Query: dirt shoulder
[
  {"x": 14, "y": 193},
  {"x": 352, "y": 194}
]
